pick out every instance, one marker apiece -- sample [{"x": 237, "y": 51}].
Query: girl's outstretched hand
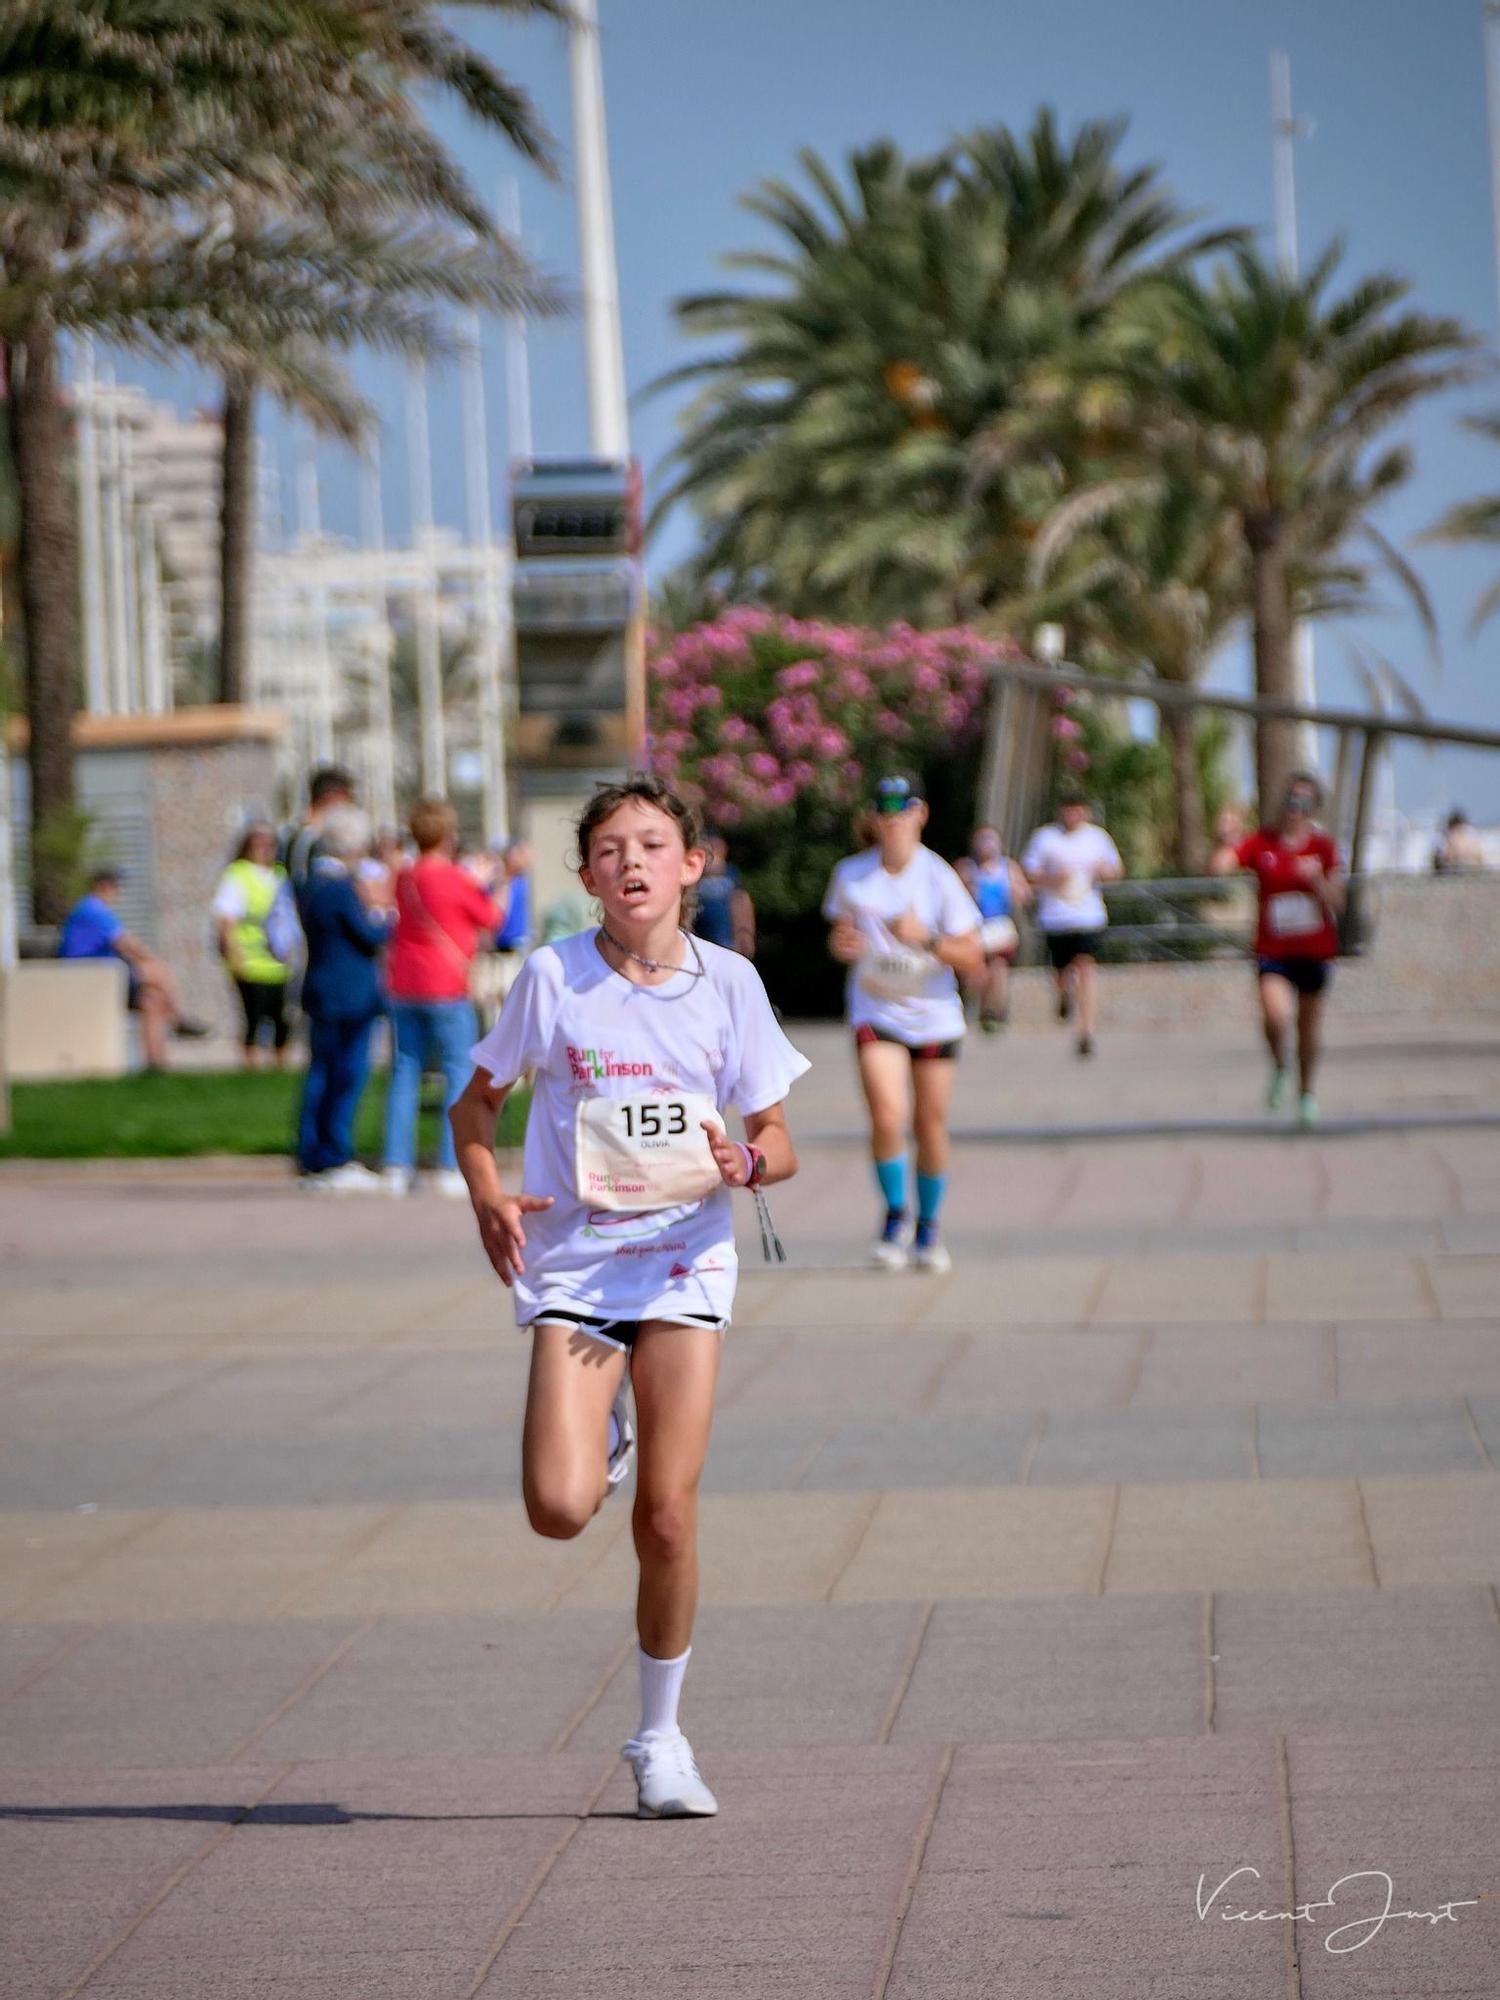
[{"x": 502, "y": 1230}]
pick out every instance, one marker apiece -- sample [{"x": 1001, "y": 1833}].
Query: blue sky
[{"x": 706, "y": 97}]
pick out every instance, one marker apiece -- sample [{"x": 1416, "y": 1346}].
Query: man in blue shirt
[
  {"x": 93, "y": 928},
  {"x": 724, "y": 913}
]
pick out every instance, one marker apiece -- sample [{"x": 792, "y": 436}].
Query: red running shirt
[
  {"x": 433, "y": 896},
  {"x": 1293, "y": 922}
]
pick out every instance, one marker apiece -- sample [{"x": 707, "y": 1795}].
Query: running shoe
[
  {"x": 991, "y": 1024},
  {"x": 621, "y": 1437},
  {"x": 1085, "y": 1045},
  {"x": 667, "y": 1782},
  {"x": 1064, "y": 1006},
  {"x": 889, "y": 1248},
  {"x": 351, "y": 1178},
  {"x": 396, "y": 1182},
  {"x": 1307, "y": 1111},
  {"x": 449, "y": 1181},
  {"x": 928, "y": 1253},
  {"x": 1276, "y": 1090}
]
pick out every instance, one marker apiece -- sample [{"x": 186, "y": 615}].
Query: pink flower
[
  {"x": 832, "y": 743},
  {"x": 1065, "y": 729},
  {"x": 1077, "y": 760},
  {"x": 761, "y": 764},
  {"x": 804, "y": 674},
  {"x": 890, "y": 724}
]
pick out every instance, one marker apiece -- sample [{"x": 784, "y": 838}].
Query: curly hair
[{"x": 649, "y": 791}]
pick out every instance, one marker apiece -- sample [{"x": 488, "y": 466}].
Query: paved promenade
[{"x": 1159, "y": 1541}]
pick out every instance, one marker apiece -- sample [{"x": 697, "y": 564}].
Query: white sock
[{"x": 661, "y": 1688}]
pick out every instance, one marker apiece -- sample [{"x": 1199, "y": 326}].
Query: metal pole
[
  {"x": 1286, "y": 129},
  {"x": 310, "y": 526},
  {"x": 609, "y": 434},
  {"x": 429, "y": 635},
  {"x": 517, "y": 352},
  {"x": 481, "y": 534},
  {"x": 383, "y": 777},
  {"x": 90, "y": 549}
]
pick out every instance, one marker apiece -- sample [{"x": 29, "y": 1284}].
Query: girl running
[
  {"x": 620, "y": 1246},
  {"x": 1301, "y": 891},
  {"x": 906, "y": 926},
  {"x": 1001, "y": 892}
]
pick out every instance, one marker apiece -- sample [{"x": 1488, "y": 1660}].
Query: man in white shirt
[{"x": 1067, "y": 862}]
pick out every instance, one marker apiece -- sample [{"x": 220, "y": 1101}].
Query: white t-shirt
[
  {"x": 586, "y": 1032},
  {"x": 862, "y": 890},
  {"x": 1077, "y": 905}
]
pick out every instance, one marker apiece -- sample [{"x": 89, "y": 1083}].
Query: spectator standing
[
  {"x": 342, "y": 999},
  {"x": 242, "y": 908},
  {"x": 1001, "y": 891},
  {"x": 442, "y": 913},
  {"x": 94, "y": 928},
  {"x": 1460, "y": 851},
  {"x": 1068, "y": 861},
  {"x": 723, "y": 912},
  {"x": 329, "y": 788}
]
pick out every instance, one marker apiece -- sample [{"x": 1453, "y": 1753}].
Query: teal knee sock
[
  {"x": 891, "y": 1175},
  {"x": 930, "y": 1191}
]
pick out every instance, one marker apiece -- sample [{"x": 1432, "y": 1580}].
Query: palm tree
[
  {"x": 1475, "y": 521},
  {"x": 1278, "y": 396},
  {"x": 829, "y": 450}
]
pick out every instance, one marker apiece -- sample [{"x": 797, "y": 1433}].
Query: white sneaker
[
  {"x": 667, "y": 1781},
  {"x": 624, "y": 1449},
  {"x": 449, "y": 1181},
  {"x": 351, "y": 1178},
  {"x": 932, "y": 1257},
  {"x": 889, "y": 1252},
  {"x": 396, "y": 1182}
]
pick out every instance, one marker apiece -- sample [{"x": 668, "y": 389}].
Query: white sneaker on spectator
[
  {"x": 396, "y": 1181},
  {"x": 449, "y": 1181},
  {"x": 667, "y": 1782},
  {"x": 351, "y": 1178}
]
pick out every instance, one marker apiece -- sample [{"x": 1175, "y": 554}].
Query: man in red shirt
[{"x": 1301, "y": 890}]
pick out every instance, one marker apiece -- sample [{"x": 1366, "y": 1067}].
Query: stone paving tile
[
  {"x": 1345, "y": 1439},
  {"x": 1486, "y": 1411},
  {"x": 1046, "y": 1368},
  {"x": 1370, "y": 1660},
  {"x": 1069, "y": 1868},
  {"x": 910, "y": 1451},
  {"x": 1290, "y": 1534},
  {"x": 458, "y": 1389},
  {"x": 207, "y": 1562},
  {"x": 790, "y": 1892},
  {"x": 1430, "y": 1360},
  {"x": 1471, "y": 1234},
  {"x": 755, "y": 1548},
  {"x": 69, "y": 1402},
  {"x": 291, "y": 1394},
  {"x": 1435, "y": 1530},
  {"x": 1195, "y": 1364},
  {"x": 24, "y": 1648},
  {"x": 774, "y": 1675},
  {"x": 451, "y": 1687},
  {"x": 82, "y": 1852},
  {"x": 1204, "y": 1289},
  {"x": 1080, "y": 1446},
  {"x": 838, "y": 1372},
  {"x": 38, "y": 1551},
  {"x": 981, "y": 1542},
  {"x": 1351, "y": 1286},
  {"x": 1034, "y": 1291},
  {"x": 866, "y": 1298},
  {"x": 1360, "y": 1234},
  {"x": 148, "y": 1694},
  {"x": 759, "y": 1451},
  {"x": 1422, "y": 1806},
  {"x": 1466, "y": 1287},
  {"x": 454, "y": 1557},
  {"x": 1102, "y": 1666},
  {"x": 382, "y": 1885}
]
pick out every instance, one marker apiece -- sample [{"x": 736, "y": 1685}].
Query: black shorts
[
  {"x": 614, "y": 1332},
  {"x": 1309, "y": 975},
  {"x": 264, "y": 1004},
  {"x": 1064, "y": 946},
  {"x": 865, "y": 1036}
]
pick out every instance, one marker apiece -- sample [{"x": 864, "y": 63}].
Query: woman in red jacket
[
  {"x": 1301, "y": 888},
  {"x": 442, "y": 913}
]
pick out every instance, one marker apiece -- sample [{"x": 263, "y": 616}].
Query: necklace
[{"x": 697, "y": 971}]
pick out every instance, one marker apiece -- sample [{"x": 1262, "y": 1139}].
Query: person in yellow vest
[{"x": 242, "y": 906}]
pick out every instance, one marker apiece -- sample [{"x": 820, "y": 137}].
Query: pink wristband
[{"x": 749, "y": 1153}]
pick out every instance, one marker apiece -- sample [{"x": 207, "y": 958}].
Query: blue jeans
[
  {"x": 426, "y": 1034},
  {"x": 338, "y": 1063}
]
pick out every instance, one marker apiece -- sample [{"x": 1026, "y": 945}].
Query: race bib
[
  {"x": 635, "y": 1153},
  {"x": 1294, "y": 914},
  {"x": 897, "y": 973},
  {"x": 998, "y": 934}
]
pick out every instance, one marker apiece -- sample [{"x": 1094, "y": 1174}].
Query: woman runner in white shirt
[
  {"x": 908, "y": 929},
  {"x": 620, "y": 1250}
]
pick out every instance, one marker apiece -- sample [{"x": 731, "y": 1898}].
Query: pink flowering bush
[{"x": 777, "y": 727}]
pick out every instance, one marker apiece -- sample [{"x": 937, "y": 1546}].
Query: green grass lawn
[{"x": 205, "y": 1111}]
